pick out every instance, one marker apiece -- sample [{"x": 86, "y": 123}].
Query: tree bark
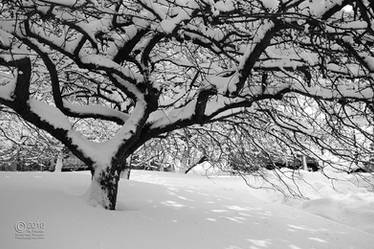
[
  {"x": 305, "y": 166},
  {"x": 126, "y": 169},
  {"x": 104, "y": 187},
  {"x": 59, "y": 162}
]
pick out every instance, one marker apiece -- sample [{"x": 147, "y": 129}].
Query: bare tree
[{"x": 153, "y": 67}]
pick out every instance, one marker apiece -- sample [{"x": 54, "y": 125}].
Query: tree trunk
[
  {"x": 59, "y": 163},
  {"x": 104, "y": 187},
  {"x": 125, "y": 174},
  {"x": 305, "y": 165},
  {"x": 126, "y": 169}
]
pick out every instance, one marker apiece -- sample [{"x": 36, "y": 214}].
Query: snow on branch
[
  {"x": 322, "y": 8},
  {"x": 338, "y": 92},
  {"x": 205, "y": 59},
  {"x": 103, "y": 153},
  {"x": 103, "y": 63},
  {"x": 7, "y": 87},
  {"x": 5, "y": 39},
  {"x": 49, "y": 114},
  {"x": 163, "y": 118},
  {"x": 96, "y": 110}
]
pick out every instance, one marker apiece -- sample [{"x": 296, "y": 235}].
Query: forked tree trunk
[{"x": 104, "y": 187}]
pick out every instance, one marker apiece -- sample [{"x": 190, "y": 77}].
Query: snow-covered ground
[{"x": 171, "y": 211}]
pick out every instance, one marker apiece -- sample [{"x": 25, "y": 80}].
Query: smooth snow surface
[{"x": 172, "y": 211}]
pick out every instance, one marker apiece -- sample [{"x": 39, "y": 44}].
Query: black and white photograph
[{"x": 186, "y": 124}]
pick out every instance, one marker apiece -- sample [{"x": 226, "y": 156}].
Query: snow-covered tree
[{"x": 153, "y": 66}]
